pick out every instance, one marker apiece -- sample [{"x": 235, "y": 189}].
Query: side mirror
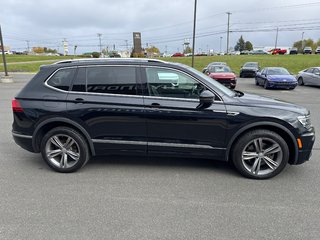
[{"x": 206, "y": 99}]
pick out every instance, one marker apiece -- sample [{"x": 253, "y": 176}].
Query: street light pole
[
  {"x": 276, "y": 43},
  {"x": 3, "y": 55},
  {"x": 194, "y": 31}
]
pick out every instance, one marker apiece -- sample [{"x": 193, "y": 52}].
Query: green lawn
[
  {"x": 27, "y": 58},
  {"x": 294, "y": 63}
]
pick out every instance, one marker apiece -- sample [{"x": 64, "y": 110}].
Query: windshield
[
  {"x": 278, "y": 71},
  {"x": 209, "y": 81},
  {"x": 250, "y": 65},
  {"x": 217, "y": 63},
  {"x": 219, "y": 69}
]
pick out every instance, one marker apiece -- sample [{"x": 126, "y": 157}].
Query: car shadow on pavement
[{"x": 166, "y": 162}]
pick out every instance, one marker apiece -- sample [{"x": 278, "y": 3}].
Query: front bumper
[
  {"x": 305, "y": 153},
  {"x": 282, "y": 84},
  {"x": 248, "y": 73}
]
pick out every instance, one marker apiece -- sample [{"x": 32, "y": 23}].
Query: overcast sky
[{"x": 162, "y": 23}]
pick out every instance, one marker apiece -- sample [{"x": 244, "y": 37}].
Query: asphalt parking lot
[{"x": 140, "y": 198}]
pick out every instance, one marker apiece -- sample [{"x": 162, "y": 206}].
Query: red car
[
  {"x": 222, "y": 74},
  {"x": 178, "y": 55},
  {"x": 278, "y": 51}
]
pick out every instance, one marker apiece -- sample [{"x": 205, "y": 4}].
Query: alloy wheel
[
  {"x": 262, "y": 156},
  {"x": 62, "y": 151}
]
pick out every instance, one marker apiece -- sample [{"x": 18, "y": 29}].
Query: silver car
[{"x": 309, "y": 76}]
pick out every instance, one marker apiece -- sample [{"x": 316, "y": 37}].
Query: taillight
[{"x": 16, "y": 107}]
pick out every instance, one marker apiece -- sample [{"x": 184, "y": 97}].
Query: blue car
[{"x": 275, "y": 77}]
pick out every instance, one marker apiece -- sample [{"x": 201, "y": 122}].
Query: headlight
[{"x": 305, "y": 121}]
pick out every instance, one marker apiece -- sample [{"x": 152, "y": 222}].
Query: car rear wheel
[
  {"x": 64, "y": 150},
  {"x": 260, "y": 154},
  {"x": 300, "y": 81},
  {"x": 257, "y": 83}
]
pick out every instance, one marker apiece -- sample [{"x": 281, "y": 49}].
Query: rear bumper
[{"x": 24, "y": 141}]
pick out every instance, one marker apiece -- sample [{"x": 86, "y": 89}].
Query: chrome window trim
[
  {"x": 123, "y": 95},
  {"x": 159, "y": 144}
]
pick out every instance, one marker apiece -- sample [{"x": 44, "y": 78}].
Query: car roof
[{"x": 102, "y": 61}]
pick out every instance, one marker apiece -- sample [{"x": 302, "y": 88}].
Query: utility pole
[
  {"x": 228, "y": 31},
  {"x": 220, "y": 44},
  {"x": 194, "y": 31},
  {"x": 28, "y": 47},
  {"x": 74, "y": 51},
  {"x": 302, "y": 42},
  {"x": 166, "y": 51},
  {"x": 276, "y": 43},
  {"x": 3, "y": 55},
  {"x": 100, "y": 46}
]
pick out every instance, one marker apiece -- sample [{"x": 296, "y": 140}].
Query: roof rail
[{"x": 107, "y": 60}]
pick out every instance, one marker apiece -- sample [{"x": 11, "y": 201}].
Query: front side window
[
  {"x": 112, "y": 79},
  {"x": 62, "y": 79},
  {"x": 171, "y": 83}
]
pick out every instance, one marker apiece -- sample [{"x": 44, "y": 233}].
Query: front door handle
[
  {"x": 155, "y": 105},
  {"x": 79, "y": 100}
]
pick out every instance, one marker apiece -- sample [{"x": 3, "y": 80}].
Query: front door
[{"x": 174, "y": 124}]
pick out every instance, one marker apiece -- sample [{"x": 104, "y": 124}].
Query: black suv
[
  {"x": 72, "y": 110},
  {"x": 249, "y": 69}
]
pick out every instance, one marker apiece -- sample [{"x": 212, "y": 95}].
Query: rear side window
[
  {"x": 79, "y": 83},
  {"x": 62, "y": 79},
  {"x": 112, "y": 79}
]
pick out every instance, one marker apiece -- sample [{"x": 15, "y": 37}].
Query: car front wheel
[
  {"x": 300, "y": 81},
  {"x": 260, "y": 154},
  {"x": 64, "y": 150}
]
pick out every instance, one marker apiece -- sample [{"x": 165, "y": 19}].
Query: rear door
[
  {"x": 174, "y": 124},
  {"x": 107, "y": 102}
]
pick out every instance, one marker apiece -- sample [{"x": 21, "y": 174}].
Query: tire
[
  {"x": 69, "y": 150},
  {"x": 241, "y": 76},
  {"x": 250, "y": 156},
  {"x": 300, "y": 81},
  {"x": 257, "y": 83},
  {"x": 265, "y": 84}
]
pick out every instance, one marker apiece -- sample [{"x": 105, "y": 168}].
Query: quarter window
[
  {"x": 62, "y": 79},
  {"x": 115, "y": 80},
  {"x": 171, "y": 83}
]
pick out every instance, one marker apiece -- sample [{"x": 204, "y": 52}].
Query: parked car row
[{"x": 268, "y": 77}]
